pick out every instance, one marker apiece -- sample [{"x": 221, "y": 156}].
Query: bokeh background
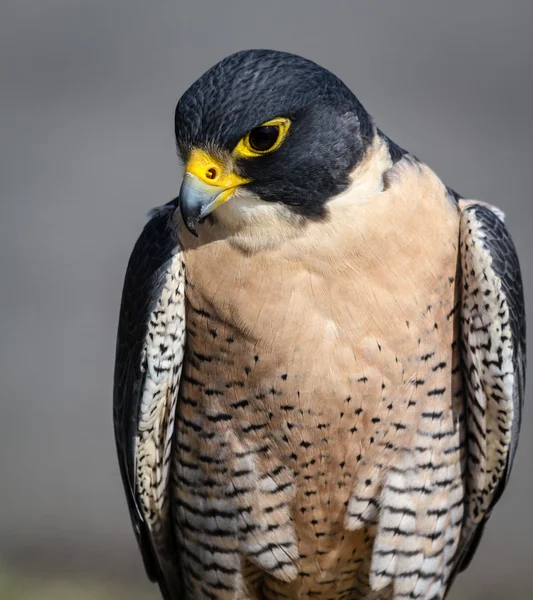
[{"x": 87, "y": 94}]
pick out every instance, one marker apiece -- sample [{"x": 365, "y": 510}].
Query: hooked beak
[
  {"x": 198, "y": 199},
  {"x": 207, "y": 184}
]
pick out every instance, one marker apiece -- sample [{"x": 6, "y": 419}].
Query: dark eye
[{"x": 262, "y": 139}]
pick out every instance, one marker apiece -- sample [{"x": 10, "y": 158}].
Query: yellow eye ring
[{"x": 248, "y": 147}]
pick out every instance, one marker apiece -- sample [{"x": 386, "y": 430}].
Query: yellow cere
[
  {"x": 212, "y": 170},
  {"x": 244, "y": 148}
]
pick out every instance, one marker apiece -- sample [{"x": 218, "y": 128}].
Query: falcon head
[{"x": 265, "y": 131}]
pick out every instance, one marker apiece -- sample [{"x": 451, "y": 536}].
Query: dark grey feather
[
  {"x": 145, "y": 276},
  {"x": 498, "y": 243}
]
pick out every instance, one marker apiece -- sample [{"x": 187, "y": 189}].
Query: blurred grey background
[{"x": 87, "y": 94}]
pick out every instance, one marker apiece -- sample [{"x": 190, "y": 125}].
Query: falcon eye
[{"x": 264, "y": 138}]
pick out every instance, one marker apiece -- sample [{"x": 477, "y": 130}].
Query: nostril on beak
[{"x": 211, "y": 173}]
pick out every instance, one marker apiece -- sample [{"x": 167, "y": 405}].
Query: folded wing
[
  {"x": 149, "y": 356},
  {"x": 493, "y": 358}
]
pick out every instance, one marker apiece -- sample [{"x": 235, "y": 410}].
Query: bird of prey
[{"x": 321, "y": 353}]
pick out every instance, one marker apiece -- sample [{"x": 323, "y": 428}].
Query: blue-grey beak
[{"x": 197, "y": 199}]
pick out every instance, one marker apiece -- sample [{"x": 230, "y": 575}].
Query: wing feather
[
  {"x": 494, "y": 358},
  {"x": 149, "y": 355}
]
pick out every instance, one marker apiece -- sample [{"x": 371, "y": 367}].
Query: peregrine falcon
[{"x": 321, "y": 353}]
